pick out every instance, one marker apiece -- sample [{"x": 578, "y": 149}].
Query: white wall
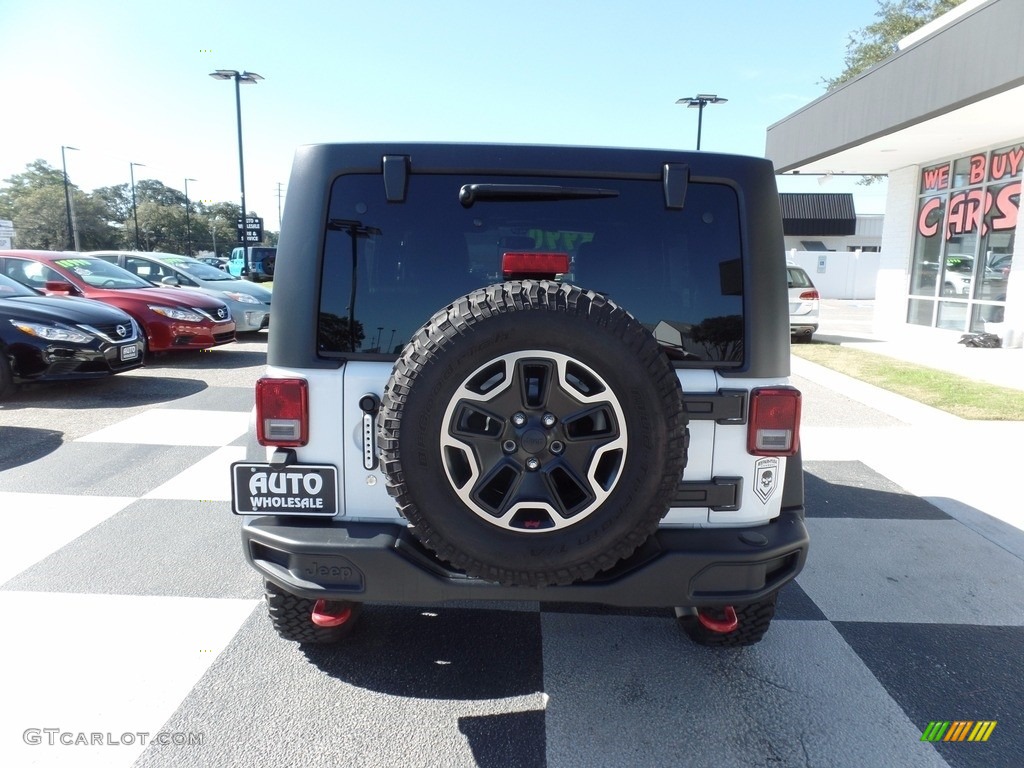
[{"x": 840, "y": 274}]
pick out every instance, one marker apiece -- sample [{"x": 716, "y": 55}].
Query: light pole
[
  {"x": 188, "y": 225},
  {"x": 700, "y": 101},
  {"x": 72, "y": 239},
  {"x": 248, "y": 78},
  {"x": 135, "y": 210}
]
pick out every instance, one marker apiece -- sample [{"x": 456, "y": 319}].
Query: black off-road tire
[
  {"x": 754, "y": 620},
  {"x": 291, "y": 617},
  {"x": 599, "y": 501}
]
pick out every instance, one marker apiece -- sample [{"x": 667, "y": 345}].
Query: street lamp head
[
  {"x": 245, "y": 78},
  {"x": 701, "y": 100}
]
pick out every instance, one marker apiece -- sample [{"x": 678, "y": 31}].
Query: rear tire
[
  {"x": 754, "y": 620},
  {"x": 291, "y": 617}
]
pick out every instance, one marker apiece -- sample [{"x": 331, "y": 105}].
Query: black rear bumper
[{"x": 370, "y": 562}]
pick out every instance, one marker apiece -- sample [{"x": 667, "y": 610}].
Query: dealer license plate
[
  {"x": 129, "y": 352},
  {"x": 299, "y": 489}
]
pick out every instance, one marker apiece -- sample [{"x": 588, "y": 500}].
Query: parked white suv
[
  {"x": 804, "y": 304},
  {"x": 526, "y": 373}
]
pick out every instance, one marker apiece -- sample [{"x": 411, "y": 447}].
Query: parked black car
[{"x": 43, "y": 338}]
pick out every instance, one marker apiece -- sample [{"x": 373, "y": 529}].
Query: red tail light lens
[
  {"x": 774, "y": 428},
  {"x": 282, "y": 412},
  {"x": 811, "y": 295},
  {"x": 530, "y": 264}
]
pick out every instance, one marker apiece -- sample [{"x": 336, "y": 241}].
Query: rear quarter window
[
  {"x": 798, "y": 278},
  {"x": 389, "y": 266}
]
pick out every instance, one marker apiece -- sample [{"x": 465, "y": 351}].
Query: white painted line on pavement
[
  {"x": 103, "y": 664},
  {"x": 206, "y": 480},
  {"x": 42, "y": 523},
  {"x": 174, "y": 427}
]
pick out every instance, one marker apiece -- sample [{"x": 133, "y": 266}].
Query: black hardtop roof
[{"x": 425, "y": 157}]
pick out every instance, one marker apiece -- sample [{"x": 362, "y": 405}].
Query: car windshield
[
  {"x": 196, "y": 268},
  {"x": 101, "y": 274},
  {"x": 9, "y": 288}
]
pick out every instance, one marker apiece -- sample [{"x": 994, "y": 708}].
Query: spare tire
[{"x": 532, "y": 433}]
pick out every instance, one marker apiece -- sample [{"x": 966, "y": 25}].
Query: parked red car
[{"x": 171, "y": 318}]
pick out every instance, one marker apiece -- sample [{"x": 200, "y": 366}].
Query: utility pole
[{"x": 279, "y": 206}]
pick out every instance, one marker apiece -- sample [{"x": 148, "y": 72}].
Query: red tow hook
[
  {"x": 327, "y": 615},
  {"x": 724, "y": 626}
]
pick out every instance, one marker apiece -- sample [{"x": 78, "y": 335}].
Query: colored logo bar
[{"x": 958, "y": 730}]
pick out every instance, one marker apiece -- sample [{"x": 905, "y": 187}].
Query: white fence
[{"x": 840, "y": 274}]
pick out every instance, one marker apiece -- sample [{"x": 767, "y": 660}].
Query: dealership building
[{"x": 943, "y": 118}]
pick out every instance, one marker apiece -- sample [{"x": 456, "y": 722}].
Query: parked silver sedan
[{"x": 249, "y": 303}]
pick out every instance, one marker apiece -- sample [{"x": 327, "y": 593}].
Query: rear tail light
[
  {"x": 774, "y": 428},
  {"x": 282, "y": 412},
  {"x": 515, "y": 264},
  {"x": 811, "y": 295}
]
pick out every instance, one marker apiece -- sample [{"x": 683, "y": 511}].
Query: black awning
[{"x": 818, "y": 214}]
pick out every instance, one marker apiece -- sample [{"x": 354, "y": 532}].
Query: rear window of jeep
[{"x": 389, "y": 266}]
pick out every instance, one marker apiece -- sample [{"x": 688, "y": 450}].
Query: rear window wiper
[{"x": 515, "y": 193}]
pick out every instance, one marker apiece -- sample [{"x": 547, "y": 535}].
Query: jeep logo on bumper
[
  {"x": 295, "y": 490},
  {"x": 327, "y": 570}
]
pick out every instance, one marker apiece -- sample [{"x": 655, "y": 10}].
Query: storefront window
[
  {"x": 928, "y": 246},
  {"x": 952, "y": 315},
  {"x": 965, "y": 230},
  {"x": 920, "y": 312}
]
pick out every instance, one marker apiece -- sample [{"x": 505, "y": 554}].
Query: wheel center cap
[{"x": 534, "y": 441}]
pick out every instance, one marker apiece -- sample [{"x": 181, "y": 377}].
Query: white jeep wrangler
[{"x": 526, "y": 373}]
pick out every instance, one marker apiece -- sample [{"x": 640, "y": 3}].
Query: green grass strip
[{"x": 958, "y": 395}]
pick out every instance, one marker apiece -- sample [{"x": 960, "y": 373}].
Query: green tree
[
  {"x": 34, "y": 201},
  {"x": 877, "y": 41},
  {"x": 40, "y": 218},
  {"x": 117, "y": 200},
  {"x": 92, "y": 221},
  {"x": 153, "y": 191},
  {"x": 162, "y": 227},
  {"x": 37, "y": 174},
  {"x": 220, "y": 218}
]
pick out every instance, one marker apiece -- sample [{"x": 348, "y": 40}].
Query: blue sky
[{"x": 127, "y": 82}]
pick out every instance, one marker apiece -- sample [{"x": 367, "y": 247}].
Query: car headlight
[
  {"x": 53, "y": 332},
  {"x": 245, "y": 298},
  {"x": 177, "y": 314}
]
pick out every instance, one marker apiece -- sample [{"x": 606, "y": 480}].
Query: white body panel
[{"x": 716, "y": 450}]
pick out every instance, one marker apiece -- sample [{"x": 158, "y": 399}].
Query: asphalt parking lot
[{"x": 129, "y": 610}]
